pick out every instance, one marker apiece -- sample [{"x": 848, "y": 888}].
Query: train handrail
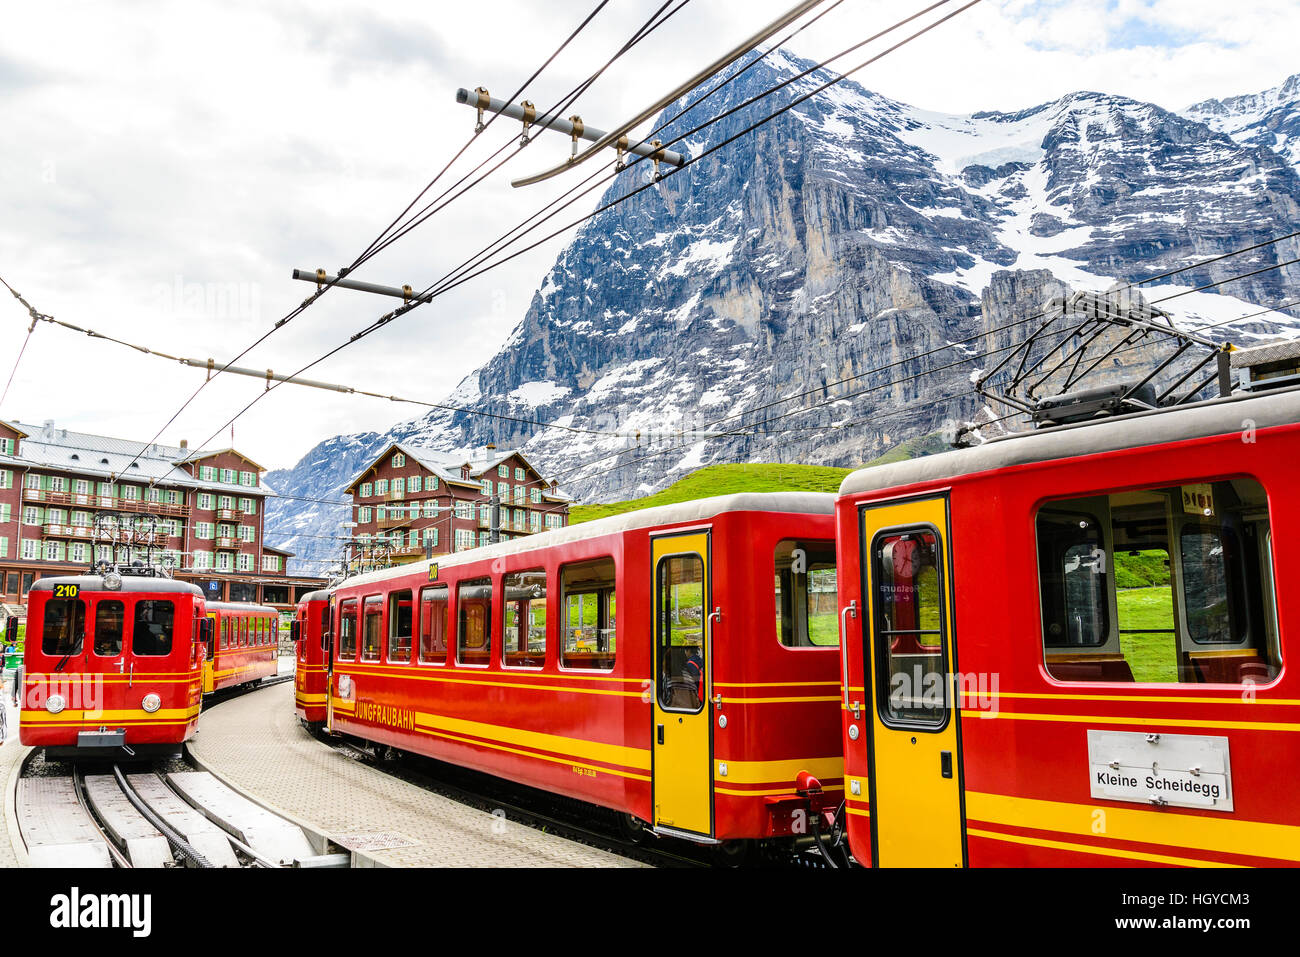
[{"x": 852, "y": 609}]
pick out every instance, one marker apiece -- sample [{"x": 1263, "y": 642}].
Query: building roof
[
  {"x": 278, "y": 551},
  {"x": 201, "y": 455},
  {"x": 447, "y": 466},
  {"x": 63, "y": 450},
  {"x": 1215, "y": 417}
]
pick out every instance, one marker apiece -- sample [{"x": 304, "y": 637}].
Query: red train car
[
  {"x": 245, "y": 645},
  {"x": 676, "y": 664},
  {"x": 112, "y": 665},
  {"x": 309, "y": 664},
  {"x": 1070, "y": 647}
]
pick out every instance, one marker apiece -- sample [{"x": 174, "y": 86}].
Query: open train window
[
  {"x": 152, "y": 631},
  {"x": 63, "y": 629},
  {"x": 474, "y": 621},
  {"x": 1159, "y": 585},
  {"x": 347, "y": 650},
  {"x": 524, "y": 644},
  {"x": 399, "y": 627},
  {"x": 110, "y": 618},
  {"x": 589, "y": 615},
  {"x": 806, "y": 612},
  {"x": 372, "y": 627},
  {"x": 433, "y": 625}
]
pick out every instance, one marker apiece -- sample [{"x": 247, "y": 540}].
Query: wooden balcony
[
  {"x": 124, "y": 536},
  {"x": 393, "y": 521},
  {"x": 226, "y": 541},
  {"x": 229, "y": 514},
  {"x": 105, "y": 503}
]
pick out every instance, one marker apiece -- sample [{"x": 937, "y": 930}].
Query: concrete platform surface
[{"x": 256, "y": 745}]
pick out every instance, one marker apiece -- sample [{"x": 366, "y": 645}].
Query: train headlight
[
  {"x": 151, "y": 703},
  {"x": 112, "y": 581},
  {"x": 55, "y": 703}
]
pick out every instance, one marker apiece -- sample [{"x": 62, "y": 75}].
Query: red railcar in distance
[
  {"x": 112, "y": 665},
  {"x": 676, "y": 664},
  {"x": 245, "y": 645},
  {"x": 309, "y": 663},
  {"x": 1071, "y": 648}
]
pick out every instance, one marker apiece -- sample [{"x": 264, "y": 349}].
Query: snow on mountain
[{"x": 1269, "y": 120}]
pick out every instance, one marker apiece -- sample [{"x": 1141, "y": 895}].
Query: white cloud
[{"x": 165, "y": 166}]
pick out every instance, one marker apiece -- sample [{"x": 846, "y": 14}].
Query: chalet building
[
  {"x": 71, "y": 499},
  {"x": 410, "y": 503}
]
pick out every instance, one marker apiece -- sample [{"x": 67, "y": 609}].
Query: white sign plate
[{"x": 1173, "y": 770}]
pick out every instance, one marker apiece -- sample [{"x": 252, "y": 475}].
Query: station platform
[
  {"x": 256, "y": 745},
  {"x": 12, "y": 851}
]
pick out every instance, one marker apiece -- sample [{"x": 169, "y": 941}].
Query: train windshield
[
  {"x": 63, "y": 630},
  {"x": 110, "y": 620},
  {"x": 152, "y": 631}
]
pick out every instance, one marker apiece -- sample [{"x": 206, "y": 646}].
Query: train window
[
  {"x": 110, "y": 616},
  {"x": 1159, "y": 585},
  {"x": 399, "y": 627},
  {"x": 524, "y": 644},
  {"x": 225, "y": 632},
  {"x": 152, "y": 632},
  {"x": 372, "y": 628},
  {"x": 806, "y": 611},
  {"x": 589, "y": 615},
  {"x": 348, "y": 630},
  {"x": 433, "y": 625},
  {"x": 474, "y": 621},
  {"x": 63, "y": 630},
  {"x": 680, "y": 634},
  {"x": 910, "y": 628}
]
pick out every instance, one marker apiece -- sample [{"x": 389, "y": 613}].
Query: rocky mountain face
[{"x": 828, "y": 285}]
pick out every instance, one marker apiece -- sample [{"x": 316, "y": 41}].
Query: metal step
[
  {"x": 270, "y": 835},
  {"x": 56, "y": 828},
  {"x": 205, "y": 836},
  {"x": 144, "y": 846}
]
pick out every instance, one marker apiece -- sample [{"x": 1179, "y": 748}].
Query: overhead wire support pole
[
  {"x": 721, "y": 63},
  {"x": 573, "y": 127}
]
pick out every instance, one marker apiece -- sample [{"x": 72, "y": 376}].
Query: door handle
[
  {"x": 661, "y": 734},
  {"x": 844, "y": 646},
  {"x": 945, "y": 763}
]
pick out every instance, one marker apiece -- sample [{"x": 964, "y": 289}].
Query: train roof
[
  {"x": 696, "y": 510},
  {"x": 1214, "y": 417},
  {"x": 131, "y": 584},
  {"x": 240, "y": 606},
  {"x": 320, "y": 594}
]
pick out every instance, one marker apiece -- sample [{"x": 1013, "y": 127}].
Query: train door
[
  {"x": 209, "y": 651},
  {"x": 683, "y": 728},
  {"x": 107, "y": 658},
  {"x": 915, "y": 780}
]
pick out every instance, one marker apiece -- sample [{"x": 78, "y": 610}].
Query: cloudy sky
[{"x": 165, "y": 165}]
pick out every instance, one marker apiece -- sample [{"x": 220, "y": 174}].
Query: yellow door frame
[
  {"x": 682, "y": 741},
  {"x": 917, "y": 803}
]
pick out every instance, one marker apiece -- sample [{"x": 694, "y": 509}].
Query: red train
[
  {"x": 245, "y": 645},
  {"x": 112, "y": 661},
  {"x": 309, "y": 665},
  {"x": 645, "y": 663},
  {"x": 1062, "y": 648},
  {"x": 1069, "y": 648}
]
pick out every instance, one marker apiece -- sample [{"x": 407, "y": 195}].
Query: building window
[
  {"x": 535, "y": 495},
  {"x": 7, "y": 446},
  {"x": 31, "y": 515},
  {"x": 30, "y": 552},
  {"x": 6, "y": 478},
  {"x": 270, "y": 563},
  {"x": 399, "y": 487},
  {"x": 248, "y": 506},
  {"x": 247, "y": 478},
  {"x": 203, "y": 530},
  {"x": 805, "y": 594},
  {"x": 205, "y": 501},
  {"x": 58, "y": 483},
  {"x": 53, "y": 551},
  {"x": 464, "y": 539},
  {"x": 381, "y": 487},
  {"x": 245, "y": 563},
  {"x": 225, "y": 501},
  {"x": 223, "y": 562},
  {"x": 247, "y": 533},
  {"x": 519, "y": 475},
  {"x": 430, "y": 508},
  {"x": 520, "y": 491},
  {"x": 484, "y": 538},
  {"x": 503, "y": 471},
  {"x": 464, "y": 509},
  {"x": 398, "y": 460},
  {"x": 227, "y": 476},
  {"x": 503, "y": 490},
  {"x": 431, "y": 483},
  {"x": 589, "y": 615},
  {"x": 534, "y": 522},
  {"x": 486, "y": 486},
  {"x": 366, "y": 489},
  {"x": 365, "y": 514}
]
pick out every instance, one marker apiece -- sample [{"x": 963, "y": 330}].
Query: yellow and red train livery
[
  {"x": 244, "y": 647},
  {"x": 309, "y": 682},
  {"x": 676, "y": 664},
  {"x": 1070, "y": 648},
  {"x": 112, "y": 661}
]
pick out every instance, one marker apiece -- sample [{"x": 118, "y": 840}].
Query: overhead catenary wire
[
  {"x": 310, "y": 300},
  {"x": 389, "y": 317}
]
